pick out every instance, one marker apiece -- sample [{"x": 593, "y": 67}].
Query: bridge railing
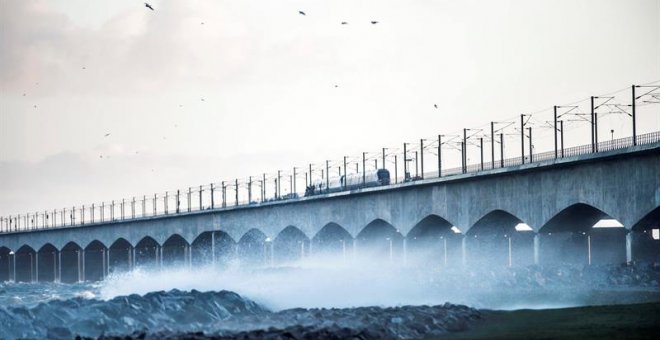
[{"x": 222, "y": 195}]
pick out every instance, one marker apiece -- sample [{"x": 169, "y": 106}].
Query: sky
[{"x": 107, "y": 99}]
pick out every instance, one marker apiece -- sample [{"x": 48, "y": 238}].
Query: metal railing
[{"x": 217, "y": 196}]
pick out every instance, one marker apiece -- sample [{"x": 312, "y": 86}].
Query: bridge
[
  {"x": 539, "y": 212},
  {"x": 537, "y": 208}
]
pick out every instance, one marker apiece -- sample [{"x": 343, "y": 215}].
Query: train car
[{"x": 350, "y": 182}]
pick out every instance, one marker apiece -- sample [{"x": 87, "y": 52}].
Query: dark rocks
[{"x": 406, "y": 322}]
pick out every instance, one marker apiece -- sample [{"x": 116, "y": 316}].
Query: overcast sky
[{"x": 203, "y": 91}]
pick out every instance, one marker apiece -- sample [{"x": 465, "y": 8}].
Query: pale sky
[{"x": 203, "y": 91}]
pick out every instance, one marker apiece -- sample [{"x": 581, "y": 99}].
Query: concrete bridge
[{"x": 541, "y": 212}]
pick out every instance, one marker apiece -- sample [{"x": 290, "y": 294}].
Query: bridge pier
[
  {"x": 629, "y": 247},
  {"x": 464, "y": 251},
  {"x": 59, "y": 266},
  {"x": 405, "y": 251},
  {"x": 537, "y": 245},
  {"x": 36, "y": 264},
  {"x": 81, "y": 270}
]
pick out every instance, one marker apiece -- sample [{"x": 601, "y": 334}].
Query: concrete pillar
[
  {"x": 405, "y": 251},
  {"x": 310, "y": 248},
  {"x": 188, "y": 250},
  {"x": 272, "y": 262},
  {"x": 589, "y": 249},
  {"x": 14, "y": 269},
  {"x": 107, "y": 264},
  {"x": 31, "y": 266},
  {"x": 55, "y": 266},
  {"x": 129, "y": 258},
  {"x": 464, "y": 250},
  {"x": 36, "y": 264},
  {"x": 59, "y": 266},
  {"x": 213, "y": 249},
  {"x": 160, "y": 257},
  {"x": 103, "y": 262},
  {"x": 537, "y": 248},
  {"x": 78, "y": 264},
  {"x": 629, "y": 241},
  {"x": 83, "y": 265}
]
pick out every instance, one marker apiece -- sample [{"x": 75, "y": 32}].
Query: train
[{"x": 372, "y": 178}]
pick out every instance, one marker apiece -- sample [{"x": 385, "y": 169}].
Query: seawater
[{"x": 196, "y": 299}]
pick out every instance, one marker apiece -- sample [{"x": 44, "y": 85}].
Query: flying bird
[
  {"x": 374, "y": 22},
  {"x": 435, "y": 105},
  {"x": 302, "y": 13},
  {"x": 107, "y": 134},
  {"x": 344, "y": 23},
  {"x": 336, "y": 86},
  {"x": 146, "y": 4}
]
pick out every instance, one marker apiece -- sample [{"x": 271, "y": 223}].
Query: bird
[
  {"x": 84, "y": 68},
  {"x": 202, "y": 23},
  {"x": 435, "y": 105},
  {"x": 100, "y": 156},
  {"x": 202, "y": 99},
  {"x": 107, "y": 134},
  {"x": 146, "y": 4},
  {"x": 302, "y": 13},
  {"x": 35, "y": 106},
  {"x": 336, "y": 85},
  {"x": 374, "y": 22},
  {"x": 344, "y": 23},
  {"x": 23, "y": 94}
]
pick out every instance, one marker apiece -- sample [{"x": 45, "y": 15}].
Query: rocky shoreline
[{"x": 407, "y": 322}]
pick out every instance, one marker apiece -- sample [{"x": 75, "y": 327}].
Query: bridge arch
[
  {"x": 146, "y": 252},
  {"x": 206, "y": 243},
  {"x": 71, "y": 263},
  {"x": 120, "y": 256},
  {"x": 25, "y": 264},
  {"x": 332, "y": 239},
  {"x": 645, "y": 237},
  {"x": 95, "y": 261},
  {"x": 5, "y": 264},
  {"x": 381, "y": 240},
  {"x": 573, "y": 236},
  {"x": 47, "y": 263},
  {"x": 500, "y": 238},
  {"x": 290, "y": 244},
  {"x": 254, "y": 248},
  {"x": 175, "y": 251},
  {"x": 432, "y": 241}
]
